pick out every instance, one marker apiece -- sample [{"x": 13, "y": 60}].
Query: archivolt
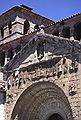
[{"x": 40, "y": 101}]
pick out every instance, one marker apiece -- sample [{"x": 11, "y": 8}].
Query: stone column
[
  {"x": 6, "y": 61},
  {"x": 60, "y": 31},
  {"x": 72, "y": 33}
]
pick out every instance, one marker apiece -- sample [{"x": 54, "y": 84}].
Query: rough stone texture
[
  {"x": 43, "y": 100},
  {"x": 42, "y": 77},
  {"x": 55, "y": 66}
]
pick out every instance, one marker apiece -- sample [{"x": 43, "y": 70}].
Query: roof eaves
[
  {"x": 68, "y": 17},
  {"x": 14, "y": 8},
  {"x": 63, "y": 20},
  {"x": 25, "y": 8}
]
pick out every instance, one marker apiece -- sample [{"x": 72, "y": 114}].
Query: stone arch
[
  {"x": 66, "y": 32},
  {"x": 26, "y": 27},
  {"x": 77, "y": 31},
  {"x": 40, "y": 101},
  {"x": 55, "y": 117},
  {"x": 56, "y": 33}
]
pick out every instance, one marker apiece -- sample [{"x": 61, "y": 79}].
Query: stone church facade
[{"x": 40, "y": 64}]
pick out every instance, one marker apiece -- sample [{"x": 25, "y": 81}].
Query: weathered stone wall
[
  {"x": 70, "y": 22},
  {"x": 41, "y": 99},
  {"x": 42, "y": 58},
  {"x": 60, "y": 64},
  {"x": 70, "y": 84}
]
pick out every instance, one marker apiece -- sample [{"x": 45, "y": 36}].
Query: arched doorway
[
  {"x": 55, "y": 117},
  {"x": 41, "y": 101}
]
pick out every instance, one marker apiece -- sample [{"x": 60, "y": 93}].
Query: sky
[{"x": 52, "y": 9}]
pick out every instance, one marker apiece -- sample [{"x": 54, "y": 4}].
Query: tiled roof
[
  {"x": 65, "y": 19},
  {"x": 69, "y": 17},
  {"x": 26, "y": 8}
]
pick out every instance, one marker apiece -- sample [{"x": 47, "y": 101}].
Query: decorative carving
[
  {"x": 64, "y": 60},
  {"x": 73, "y": 67},
  {"x": 65, "y": 69},
  {"x": 59, "y": 71},
  {"x": 72, "y": 89}
]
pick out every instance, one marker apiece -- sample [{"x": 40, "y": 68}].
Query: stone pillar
[
  {"x": 60, "y": 31},
  {"x": 72, "y": 33},
  {"x": 31, "y": 29},
  {"x": 6, "y": 61},
  {"x": 2, "y": 101}
]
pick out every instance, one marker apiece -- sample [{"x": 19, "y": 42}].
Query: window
[{"x": 26, "y": 27}]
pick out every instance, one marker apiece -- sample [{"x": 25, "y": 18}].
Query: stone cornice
[{"x": 60, "y": 43}]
